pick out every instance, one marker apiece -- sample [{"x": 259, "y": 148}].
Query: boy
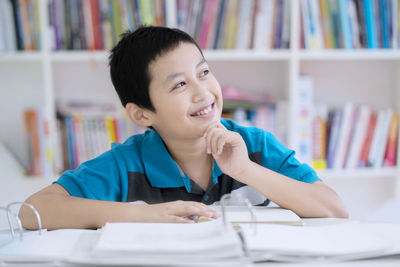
[{"x": 188, "y": 158}]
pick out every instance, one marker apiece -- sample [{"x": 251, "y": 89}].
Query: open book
[
  {"x": 215, "y": 241},
  {"x": 145, "y": 243}
]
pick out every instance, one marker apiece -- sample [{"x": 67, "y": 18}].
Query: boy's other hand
[
  {"x": 176, "y": 212},
  {"x": 228, "y": 149}
]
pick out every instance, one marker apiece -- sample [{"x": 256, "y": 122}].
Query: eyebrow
[{"x": 173, "y": 75}]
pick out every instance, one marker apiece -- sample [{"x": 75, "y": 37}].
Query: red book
[
  {"x": 390, "y": 154},
  {"x": 205, "y": 24},
  {"x": 367, "y": 142},
  {"x": 32, "y": 131},
  {"x": 96, "y": 23},
  {"x": 159, "y": 12}
]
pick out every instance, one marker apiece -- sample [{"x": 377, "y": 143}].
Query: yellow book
[
  {"x": 110, "y": 129},
  {"x": 147, "y": 12}
]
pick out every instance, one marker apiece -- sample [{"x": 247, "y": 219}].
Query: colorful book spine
[
  {"x": 320, "y": 138},
  {"x": 344, "y": 136},
  {"x": 383, "y": 138},
  {"x": 358, "y": 136},
  {"x": 32, "y": 131},
  {"x": 334, "y": 129},
  {"x": 370, "y": 23},
  {"x": 304, "y": 127},
  {"x": 366, "y": 147},
  {"x": 384, "y": 22},
  {"x": 392, "y": 143},
  {"x": 376, "y": 139},
  {"x": 345, "y": 24}
]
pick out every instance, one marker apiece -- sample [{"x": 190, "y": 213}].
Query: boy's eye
[
  {"x": 204, "y": 73},
  {"x": 179, "y": 85}
]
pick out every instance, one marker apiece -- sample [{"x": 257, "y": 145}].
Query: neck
[
  {"x": 192, "y": 158},
  {"x": 188, "y": 151}
]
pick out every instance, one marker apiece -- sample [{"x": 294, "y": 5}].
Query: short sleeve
[
  {"x": 98, "y": 178},
  {"x": 277, "y": 157}
]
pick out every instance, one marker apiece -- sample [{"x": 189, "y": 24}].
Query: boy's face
[{"x": 185, "y": 94}]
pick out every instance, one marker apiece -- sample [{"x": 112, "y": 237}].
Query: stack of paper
[
  {"x": 167, "y": 240},
  {"x": 49, "y": 247},
  {"x": 333, "y": 242}
]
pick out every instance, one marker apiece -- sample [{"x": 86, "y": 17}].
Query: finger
[
  {"x": 210, "y": 137},
  {"x": 220, "y": 143},
  {"x": 214, "y": 134},
  {"x": 190, "y": 209},
  {"x": 177, "y": 219},
  {"x": 213, "y": 125},
  {"x": 214, "y": 214},
  {"x": 208, "y": 208}
]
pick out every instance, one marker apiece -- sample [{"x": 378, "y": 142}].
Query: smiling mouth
[{"x": 204, "y": 111}]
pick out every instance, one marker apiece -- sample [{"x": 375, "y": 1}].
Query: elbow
[
  {"x": 337, "y": 212},
  {"x": 342, "y": 213},
  {"x": 27, "y": 216}
]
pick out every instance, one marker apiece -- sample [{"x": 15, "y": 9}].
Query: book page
[
  {"x": 50, "y": 246},
  {"x": 209, "y": 239},
  {"x": 332, "y": 240},
  {"x": 241, "y": 214}
]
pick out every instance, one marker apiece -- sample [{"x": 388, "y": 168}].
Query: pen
[{"x": 197, "y": 218}]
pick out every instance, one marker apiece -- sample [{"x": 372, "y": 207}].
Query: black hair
[{"x": 130, "y": 59}]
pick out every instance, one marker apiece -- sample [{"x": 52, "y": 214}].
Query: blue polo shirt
[{"x": 141, "y": 169}]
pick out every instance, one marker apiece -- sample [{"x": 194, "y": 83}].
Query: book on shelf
[
  {"x": 40, "y": 150},
  {"x": 346, "y": 128},
  {"x": 98, "y": 24},
  {"x": 87, "y": 130},
  {"x": 19, "y": 25},
  {"x": 320, "y": 137},
  {"x": 357, "y": 137},
  {"x": 304, "y": 110},
  {"x": 349, "y": 24},
  {"x": 363, "y": 161},
  {"x": 360, "y": 129},
  {"x": 258, "y": 111},
  {"x": 390, "y": 156},
  {"x": 379, "y": 140}
]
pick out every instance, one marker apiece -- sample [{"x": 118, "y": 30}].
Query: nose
[{"x": 199, "y": 91}]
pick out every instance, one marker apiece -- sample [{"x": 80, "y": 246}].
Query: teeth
[{"x": 204, "y": 111}]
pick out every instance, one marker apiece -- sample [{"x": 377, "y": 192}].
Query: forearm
[
  {"x": 305, "y": 199},
  {"x": 61, "y": 211}
]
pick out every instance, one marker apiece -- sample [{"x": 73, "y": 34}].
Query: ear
[{"x": 138, "y": 115}]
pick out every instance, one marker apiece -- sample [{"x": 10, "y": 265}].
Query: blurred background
[{"x": 322, "y": 75}]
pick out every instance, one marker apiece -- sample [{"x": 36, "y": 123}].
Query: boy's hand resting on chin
[
  {"x": 176, "y": 212},
  {"x": 228, "y": 149}
]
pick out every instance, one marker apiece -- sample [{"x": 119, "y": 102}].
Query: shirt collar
[{"x": 161, "y": 169}]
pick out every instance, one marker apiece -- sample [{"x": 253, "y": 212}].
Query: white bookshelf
[{"x": 33, "y": 79}]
